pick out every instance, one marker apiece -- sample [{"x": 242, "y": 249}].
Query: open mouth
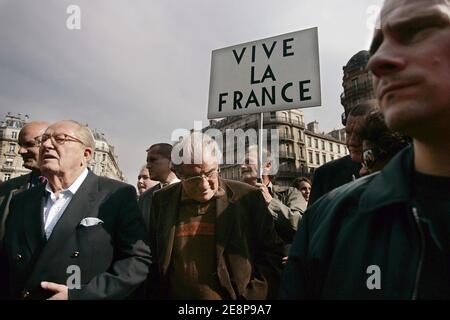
[{"x": 48, "y": 156}]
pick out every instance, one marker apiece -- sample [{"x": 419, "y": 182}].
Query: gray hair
[
  {"x": 84, "y": 134},
  {"x": 267, "y": 157},
  {"x": 194, "y": 149}
]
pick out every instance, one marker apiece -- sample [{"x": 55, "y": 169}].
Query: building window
[
  {"x": 331, "y": 157},
  {"x": 310, "y": 157},
  {"x": 273, "y": 115},
  {"x": 302, "y": 154},
  {"x": 300, "y": 135},
  {"x": 324, "y": 158},
  {"x": 339, "y": 148},
  {"x": 331, "y": 147},
  {"x": 8, "y": 163},
  {"x": 12, "y": 147},
  {"x": 284, "y": 116},
  {"x": 103, "y": 157},
  {"x": 316, "y": 142},
  {"x": 14, "y": 134},
  {"x": 309, "y": 142},
  {"x": 317, "y": 158},
  {"x": 323, "y": 145},
  {"x": 7, "y": 176}
]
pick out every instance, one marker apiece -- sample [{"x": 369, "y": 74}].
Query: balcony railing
[
  {"x": 286, "y": 136},
  {"x": 294, "y": 122},
  {"x": 286, "y": 154}
]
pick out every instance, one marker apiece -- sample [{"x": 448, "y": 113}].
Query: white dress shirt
[{"x": 55, "y": 206}]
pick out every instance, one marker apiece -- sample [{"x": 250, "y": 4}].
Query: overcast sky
[{"x": 138, "y": 69}]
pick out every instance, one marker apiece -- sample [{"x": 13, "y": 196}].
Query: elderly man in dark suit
[
  {"x": 212, "y": 238},
  {"x": 29, "y": 150},
  {"x": 80, "y": 236}
]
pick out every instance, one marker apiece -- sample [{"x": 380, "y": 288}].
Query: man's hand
[
  {"x": 61, "y": 291},
  {"x": 265, "y": 192}
]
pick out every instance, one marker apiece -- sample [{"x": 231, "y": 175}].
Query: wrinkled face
[
  {"x": 249, "y": 169},
  {"x": 305, "y": 189},
  {"x": 411, "y": 66},
  {"x": 29, "y": 148},
  {"x": 144, "y": 181},
  {"x": 60, "y": 157},
  {"x": 158, "y": 166},
  {"x": 354, "y": 143},
  {"x": 200, "y": 181}
]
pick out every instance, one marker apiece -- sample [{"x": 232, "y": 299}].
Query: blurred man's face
[
  {"x": 354, "y": 143},
  {"x": 249, "y": 170},
  {"x": 28, "y": 146},
  {"x": 158, "y": 166},
  {"x": 200, "y": 181},
  {"x": 411, "y": 66}
]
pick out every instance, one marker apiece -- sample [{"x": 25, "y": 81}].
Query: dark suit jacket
[
  {"x": 7, "y": 190},
  {"x": 145, "y": 202},
  {"x": 113, "y": 256},
  {"x": 248, "y": 250},
  {"x": 332, "y": 175}
]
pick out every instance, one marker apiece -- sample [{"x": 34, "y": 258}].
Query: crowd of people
[{"x": 372, "y": 225}]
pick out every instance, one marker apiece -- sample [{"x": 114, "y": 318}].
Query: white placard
[{"x": 276, "y": 73}]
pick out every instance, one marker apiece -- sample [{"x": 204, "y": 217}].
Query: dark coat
[
  {"x": 370, "y": 222},
  {"x": 113, "y": 256},
  {"x": 7, "y": 190},
  {"x": 248, "y": 250},
  {"x": 332, "y": 175},
  {"x": 145, "y": 202}
]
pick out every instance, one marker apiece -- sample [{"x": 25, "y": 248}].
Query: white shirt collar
[
  {"x": 171, "y": 182},
  {"x": 73, "y": 188}
]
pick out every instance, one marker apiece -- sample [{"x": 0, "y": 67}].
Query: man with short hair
[
  {"x": 79, "y": 236},
  {"x": 158, "y": 166},
  {"x": 346, "y": 169},
  {"x": 211, "y": 238},
  {"x": 286, "y": 204},
  {"x": 29, "y": 150},
  {"x": 387, "y": 235}
]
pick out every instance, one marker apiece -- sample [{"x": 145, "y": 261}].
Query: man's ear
[
  {"x": 268, "y": 165},
  {"x": 87, "y": 153}
]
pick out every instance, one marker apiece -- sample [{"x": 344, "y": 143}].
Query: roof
[{"x": 358, "y": 61}]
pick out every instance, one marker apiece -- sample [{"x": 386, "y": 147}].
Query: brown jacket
[{"x": 248, "y": 250}]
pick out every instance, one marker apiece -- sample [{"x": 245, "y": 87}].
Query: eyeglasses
[
  {"x": 208, "y": 175},
  {"x": 369, "y": 158},
  {"x": 59, "y": 138}
]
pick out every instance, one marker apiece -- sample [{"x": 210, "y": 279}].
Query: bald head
[{"x": 29, "y": 149}]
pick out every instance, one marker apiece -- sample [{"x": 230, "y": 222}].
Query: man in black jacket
[
  {"x": 29, "y": 151},
  {"x": 387, "y": 235},
  {"x": 346, "y": 169}
]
